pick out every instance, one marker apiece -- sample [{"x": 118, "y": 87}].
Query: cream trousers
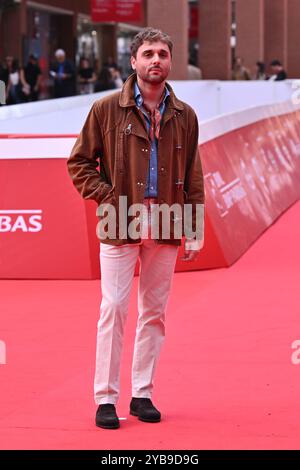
[{"x": 157, "y": 263}]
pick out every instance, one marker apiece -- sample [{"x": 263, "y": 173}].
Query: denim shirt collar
[{"x": 139, "y": 99}]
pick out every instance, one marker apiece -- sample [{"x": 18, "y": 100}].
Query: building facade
[{"x": 211, "y": 32}]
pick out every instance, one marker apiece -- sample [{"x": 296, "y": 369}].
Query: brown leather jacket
[{"x": 115, "y": 135}]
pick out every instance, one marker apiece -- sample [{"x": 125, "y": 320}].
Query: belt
[{"x": 150, "y": 200}]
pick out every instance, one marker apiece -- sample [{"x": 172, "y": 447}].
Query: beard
[{"x": 153, "y": 78}]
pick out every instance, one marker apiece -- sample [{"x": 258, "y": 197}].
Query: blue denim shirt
[{"x": 151, "y": 187}]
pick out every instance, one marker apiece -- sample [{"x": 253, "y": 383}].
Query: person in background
[
  {"x": 14, "y": 83},
  {"x": 116, "y": 76},
  {"x": 3, "y": 84},
  {"x": 31, "y": 78},
  {"x": 63, "y": 73},
  {"x": 105, "y": 80},
  {"x": 110, "y": 63},
  {"x": 260, "y": 71},
  {"x": 86, "y": 77},
  {"x": 278, "y": 71},
  {"x": 194, "y": 72},
  {"x": 240, "y": 72},
  {"x": 4, "y": 73}
]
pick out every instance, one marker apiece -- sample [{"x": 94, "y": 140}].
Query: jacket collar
[{"x": 127, "y": 95}]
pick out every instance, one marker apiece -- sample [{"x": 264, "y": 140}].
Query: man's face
[
  {"x": 276, "y": 68},
  {"x": 60, "y": 58},
  {"x": 153, "y": 62}
]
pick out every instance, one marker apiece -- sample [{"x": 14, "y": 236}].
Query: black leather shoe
[
  {"x": 144, "y": 410},
  {"x": 106, "y": 417}
]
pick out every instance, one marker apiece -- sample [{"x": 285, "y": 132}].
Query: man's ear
[{"x": 132, "y": 61}]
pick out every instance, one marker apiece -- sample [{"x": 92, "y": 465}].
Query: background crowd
[{"x": 23, "y": 84}]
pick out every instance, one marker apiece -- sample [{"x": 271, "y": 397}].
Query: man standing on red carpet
[{"x": 150, "y": 173}]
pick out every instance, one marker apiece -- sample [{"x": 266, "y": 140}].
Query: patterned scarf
[{"x": 155, "y": 119}]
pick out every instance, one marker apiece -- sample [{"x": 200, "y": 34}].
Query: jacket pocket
[{"x": 108, "y": 211}]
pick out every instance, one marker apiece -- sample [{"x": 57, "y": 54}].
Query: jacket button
[{"x": 162, "y": 168}]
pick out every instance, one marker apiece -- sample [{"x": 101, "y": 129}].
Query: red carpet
[{"x": 225, "y": 379}]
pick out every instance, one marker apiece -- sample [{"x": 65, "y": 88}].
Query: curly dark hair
[{"x": 150, "y": 35}]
